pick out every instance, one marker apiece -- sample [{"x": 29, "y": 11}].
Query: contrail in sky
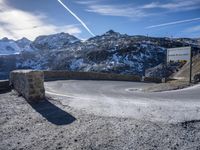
[
  {"x": 172, "y": 23},
  {"x": 73, "y": 14}
]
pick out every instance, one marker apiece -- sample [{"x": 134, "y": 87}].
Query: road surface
[{"x": 126, "y": 99}]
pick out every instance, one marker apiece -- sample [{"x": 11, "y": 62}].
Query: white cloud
[
  {"x": 193, "y": 29},
  {"x": 86, "y": 2},
  {"x": 139, "y": 11},
  {"x": 173, "y": 23},
  {"x": 120, "y": 10},
  {"x": 175, "y": 5},
  {"x": 15, "y": 23},
  {"x": 116, "y": 10}
]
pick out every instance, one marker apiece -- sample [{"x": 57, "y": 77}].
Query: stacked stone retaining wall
[
  {"x": 65, "y": 75},
  {"x": 28, "y": 83}
]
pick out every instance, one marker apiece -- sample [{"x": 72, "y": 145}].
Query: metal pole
[
  {"x": 190, "y": 80},
  {"x": 166, "y": 61},
  {"x": 165, "y": 64},
  {"x": 144, "y": 63}
]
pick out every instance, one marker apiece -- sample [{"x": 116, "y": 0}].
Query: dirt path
[{"x": 49, "y": 125}]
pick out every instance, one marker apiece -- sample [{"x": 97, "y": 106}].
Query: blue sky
[{"x": 30, "y": 18}]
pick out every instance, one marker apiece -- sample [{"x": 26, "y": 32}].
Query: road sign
[{"x": 179, "y": 54}]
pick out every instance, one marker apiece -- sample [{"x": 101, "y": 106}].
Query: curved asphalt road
[{"x": 126, "y": 99}]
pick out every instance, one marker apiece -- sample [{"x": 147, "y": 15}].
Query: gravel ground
[{"x": 50, "y": 125}]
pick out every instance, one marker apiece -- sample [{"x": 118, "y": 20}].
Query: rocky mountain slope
[
  {"x": 184, "y": 72},
  {"x": 110, "y": 52},
  {"x": 9, "y": 46}
]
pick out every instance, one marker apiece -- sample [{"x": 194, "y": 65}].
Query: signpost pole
[
  {"x": 165, "y": 65},
  {"x": 190, "y": 80}
]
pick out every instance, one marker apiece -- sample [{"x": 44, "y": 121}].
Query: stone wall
[
  {"x": 4, "y": 86},
  {"x": 65, "y": 75},
  {"x": 153, "y": 79},
  {"x": 28, "y": 83}
]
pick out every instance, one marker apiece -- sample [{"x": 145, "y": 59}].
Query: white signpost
[{"x": 180, "y": 54}]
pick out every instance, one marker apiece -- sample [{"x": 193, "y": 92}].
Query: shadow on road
[
  {"x": 53, "y": 113},
  {"x": 188, "y": 124}
]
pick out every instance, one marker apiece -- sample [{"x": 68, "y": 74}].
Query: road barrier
[
  {"x": 65, "y": 75},
  {"x": 29, "y": 84},
  {"x": 152, "y": 79},
  {"x": 4, "y": 86}
]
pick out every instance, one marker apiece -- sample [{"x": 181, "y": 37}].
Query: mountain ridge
[{"x": 110, "y": 52}]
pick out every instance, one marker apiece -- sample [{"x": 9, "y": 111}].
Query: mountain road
[{"x": 127, "y": 100}]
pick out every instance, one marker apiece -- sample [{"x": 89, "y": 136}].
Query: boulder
[{"x": 197, "y": 78}]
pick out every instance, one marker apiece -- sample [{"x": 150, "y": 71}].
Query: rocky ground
[
  {"x": 168, "y": 86},
  {"x": 50, "y": 125}
]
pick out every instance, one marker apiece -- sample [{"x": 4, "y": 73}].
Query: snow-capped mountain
[
  {"x": 8, "y": 47},
  {"x": 11, "y": 47},
  {"x": 55, "y": 41},
  {"x": 110, "y": 52},
  {"x": 24, "y": 44}
]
